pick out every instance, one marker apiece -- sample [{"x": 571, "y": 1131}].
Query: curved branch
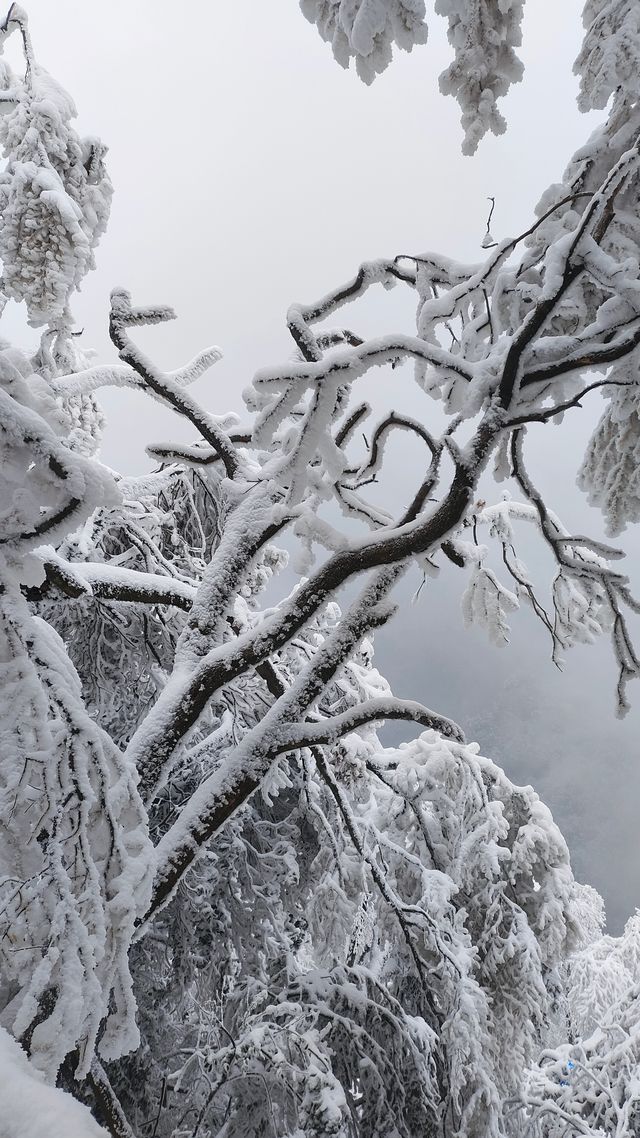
[
  {"x": 350, "y": 365},
  {"x": 606, "y": 354},
  {"x": 351, "y": 422},
  {"x": 93, "y": 378},
  {"x": 17, "y": 18},
  {"x": 384, "y": 428},
  {"x": 196, "y": 367},
  {"x": 331, "y": 730},
  {"x": 299, "y": 316}
]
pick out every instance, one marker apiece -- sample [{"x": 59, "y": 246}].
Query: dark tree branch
[
  {"x": 107, "y": 1102},
  {"x": 194, "y": 455},
  {"x": 123, "y": 316},
  {"x": 105, "y": 582}
]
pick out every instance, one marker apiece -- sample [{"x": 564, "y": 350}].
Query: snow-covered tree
[{"x": 226, "y": 908}]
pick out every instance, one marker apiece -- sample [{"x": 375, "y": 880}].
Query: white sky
[{"x": 250, "y": 171}]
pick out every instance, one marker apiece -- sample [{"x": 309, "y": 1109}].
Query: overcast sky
[{"x": 251, "y": 171}]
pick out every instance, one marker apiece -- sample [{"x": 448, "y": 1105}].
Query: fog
[{"x": 251, "y": 171}]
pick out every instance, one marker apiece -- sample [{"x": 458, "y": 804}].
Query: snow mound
[{"x": 31, "y": 1109}]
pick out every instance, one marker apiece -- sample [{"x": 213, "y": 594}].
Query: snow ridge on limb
[{"x": 169, "y": 388}]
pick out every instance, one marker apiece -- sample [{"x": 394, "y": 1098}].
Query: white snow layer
[{"x": 31, "y": 1109}]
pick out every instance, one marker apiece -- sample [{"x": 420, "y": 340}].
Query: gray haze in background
[{"x": 251, "y": 171}]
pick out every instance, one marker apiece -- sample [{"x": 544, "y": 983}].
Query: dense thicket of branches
[{"x": 225, "y": 907}]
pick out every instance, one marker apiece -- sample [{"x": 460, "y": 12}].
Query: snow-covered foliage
[
  {"x": 608, "y": 60},
  {"x": 365, "y": 30},
  {"x": 54, "y": 190},
  {"x": 75, "y": 854},
  {"x": 487, "y": 602},
  {"x": 610, "y": 472},
  {"x": 590, "y": 1085},
  {"x": 600, "y": 975},
  {"x": 225, "y": 907},
  {"x": 483, "y": 34},
  {"x": 384, "y": 973}
]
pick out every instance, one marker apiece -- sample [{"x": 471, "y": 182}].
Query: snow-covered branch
[
  {"x": 109, "y": 582},
  {"x": 333, "y": 729},
  {"x": 169, "y": 388}
]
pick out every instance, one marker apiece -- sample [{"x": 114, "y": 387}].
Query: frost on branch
[
  {"x": 162, "y": 532},
  {"x": 46, "y": 489},
  {"x": 581, "y": 609}
]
